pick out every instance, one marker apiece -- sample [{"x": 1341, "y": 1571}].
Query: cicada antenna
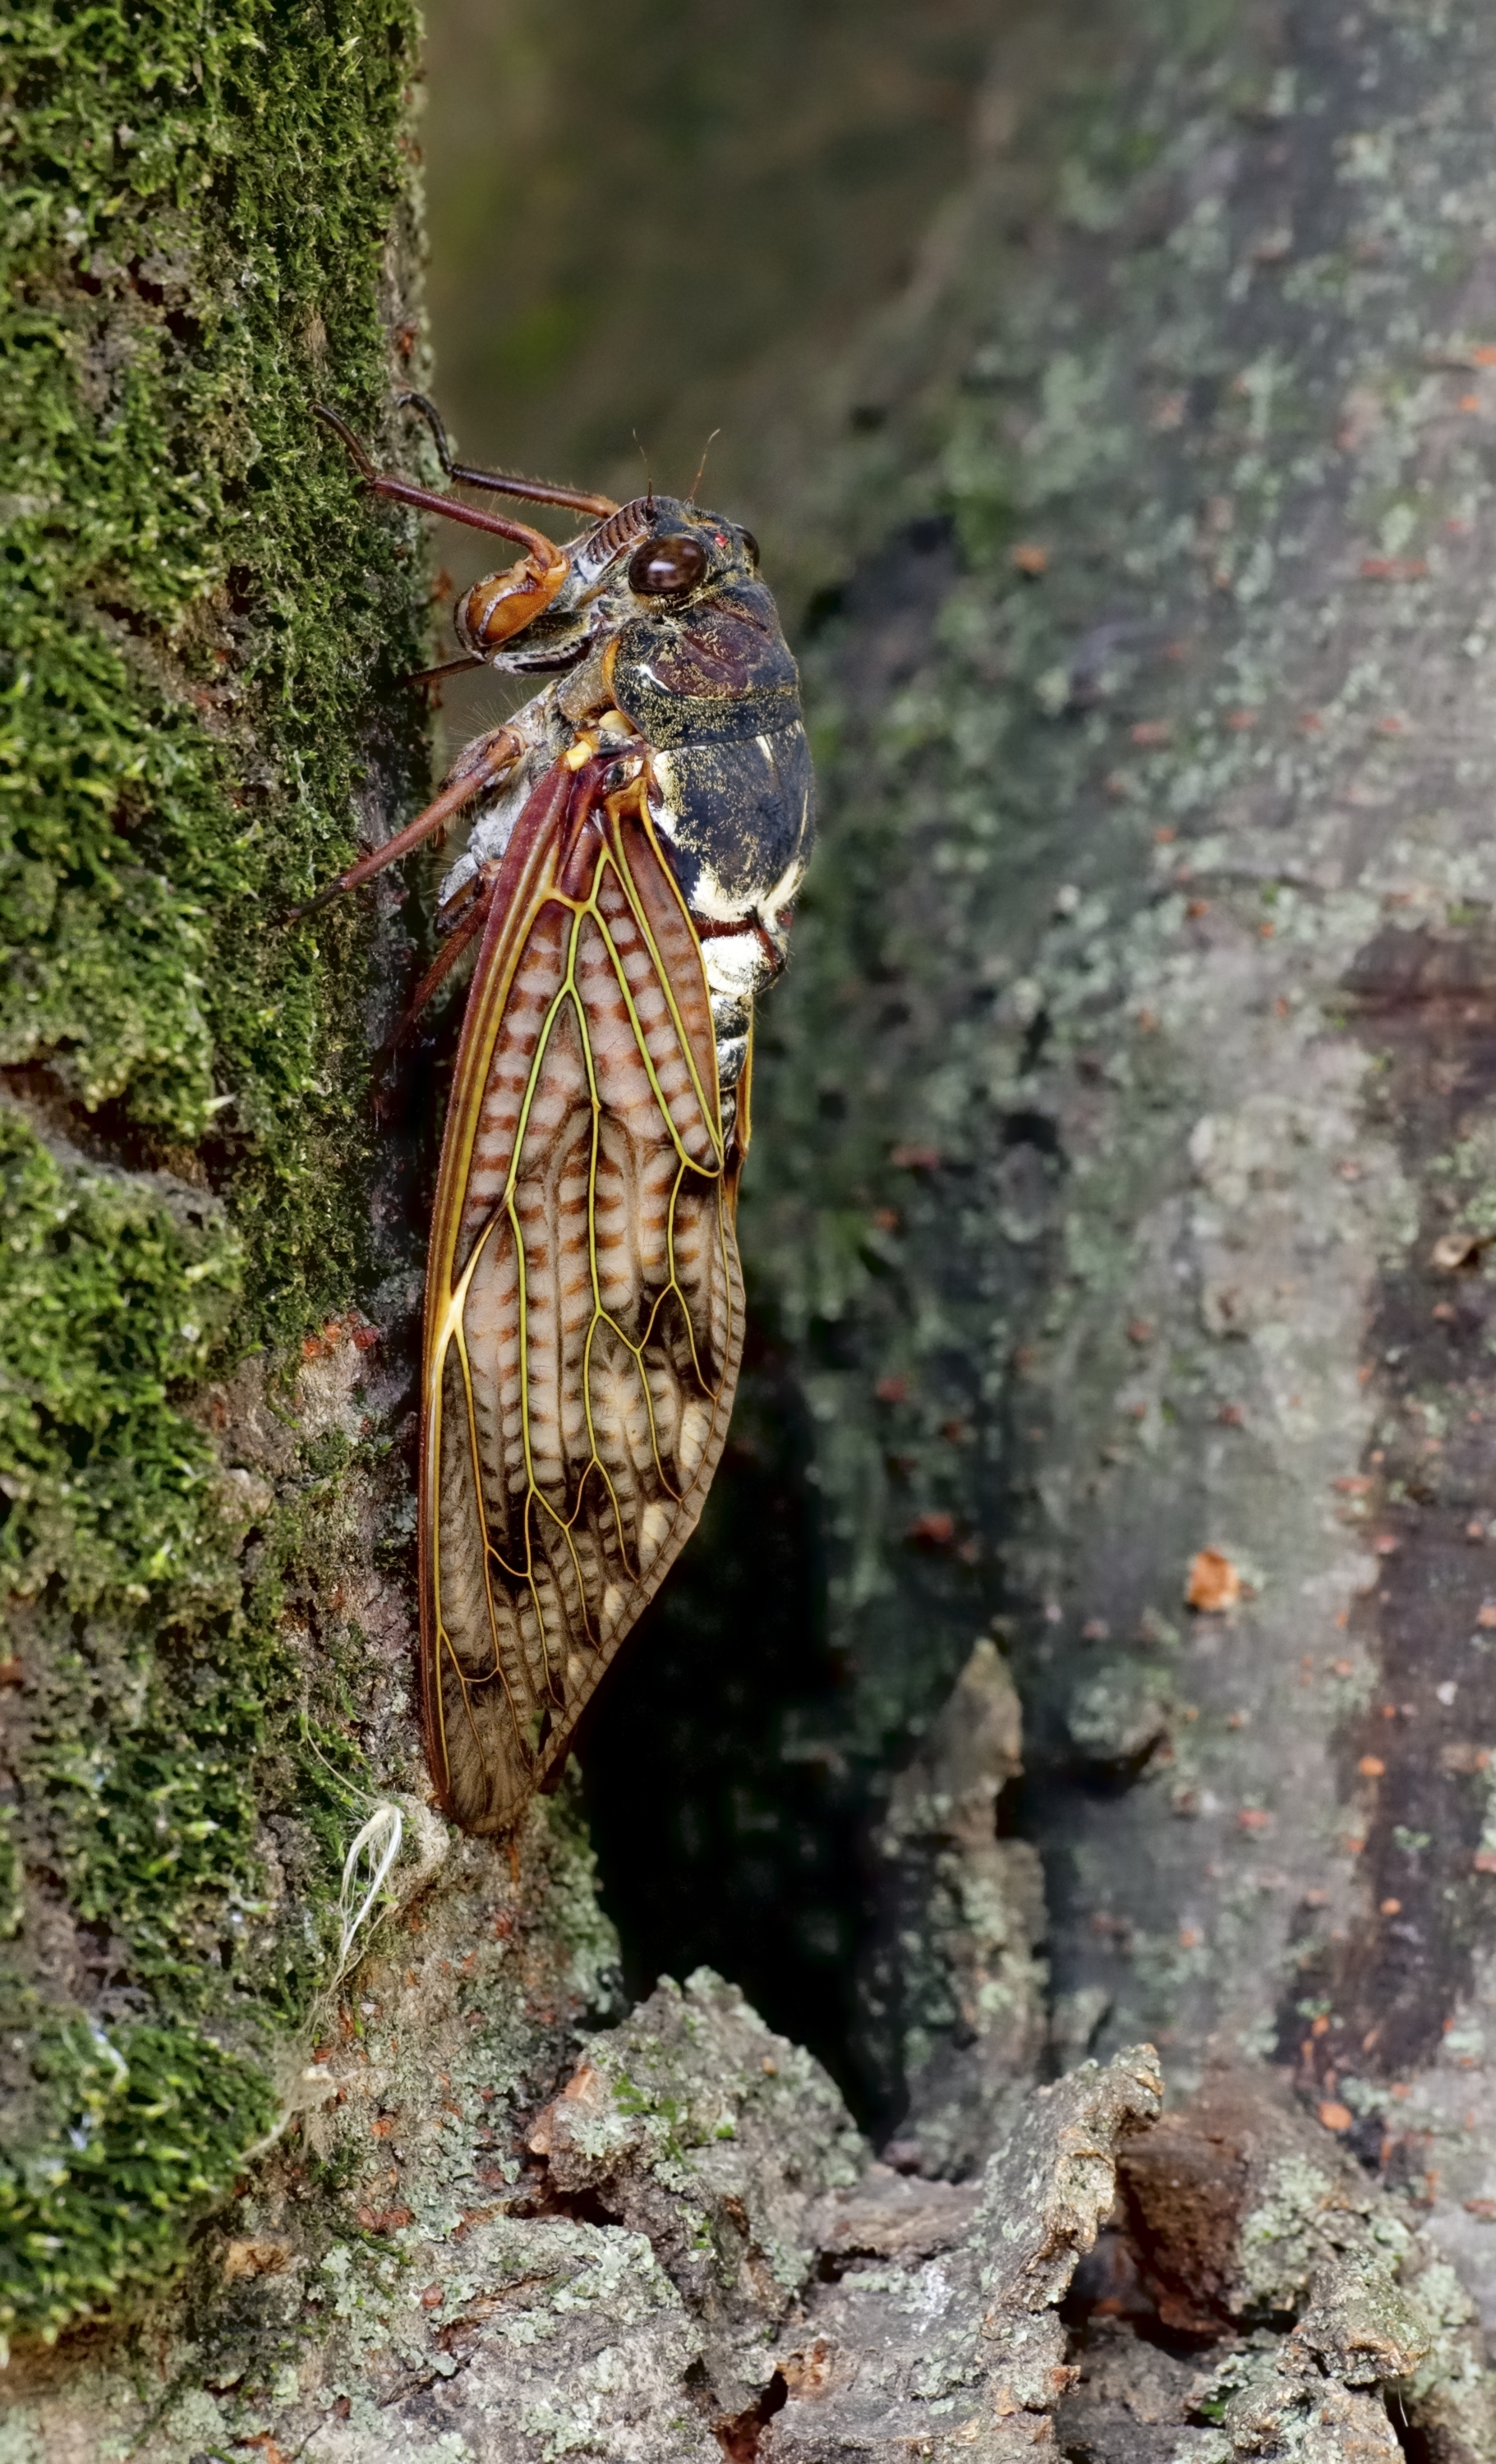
[
  {"x": 702, "y": 464},
  {"x": 648, "y": 476}
]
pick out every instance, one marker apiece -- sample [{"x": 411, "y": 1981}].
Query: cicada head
[
  {"x": 655, "y": 555},
  {"x": 660, "y": 553}
]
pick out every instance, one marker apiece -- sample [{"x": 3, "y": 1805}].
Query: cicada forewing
[{"x": 584, "y": 1305}]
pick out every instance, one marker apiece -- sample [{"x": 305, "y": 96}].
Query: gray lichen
[
  {"x": 957, "y": 2351},
  {"x": 955, "y": 1973},
  {"x": 694, "y": 2125},
  {"x": 1252, "y": 2227}
]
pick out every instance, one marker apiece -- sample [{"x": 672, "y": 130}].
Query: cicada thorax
[
  {"x": 707, "y": 686},
  {"x": 714, "y": 694}
]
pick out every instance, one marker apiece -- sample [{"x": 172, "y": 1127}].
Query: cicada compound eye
[{"x": 664, "y": 568}]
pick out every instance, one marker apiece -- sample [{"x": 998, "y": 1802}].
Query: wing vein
[{"x": 575, "y": 1385}]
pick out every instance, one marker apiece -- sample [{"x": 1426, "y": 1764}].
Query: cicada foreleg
[
  {"x": 403, "y": 492},
  {"x": 529, "y": 587}
]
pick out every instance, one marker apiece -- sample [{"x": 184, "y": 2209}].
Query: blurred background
[{"x": 655, "y": 218}]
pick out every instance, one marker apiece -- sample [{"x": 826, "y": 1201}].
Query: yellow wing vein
[
  {"x": 452, "y": 1330},
  {"x": 672, "y": 1289},
  {"x": 710, "y": 1108},
  {"x": 488, "y": 1552},
  {"x": 449, "y": 1329}
]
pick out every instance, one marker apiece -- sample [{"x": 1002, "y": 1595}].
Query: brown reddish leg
[
  {"x": 447, "y": 668},
  {"x": 445, "y": 959},
  {"x": 496, "y": 754},
  {"x": 500, "y": 483},
  {"x": 543, "y": 549},
  {"x": 460, "y": 938}
]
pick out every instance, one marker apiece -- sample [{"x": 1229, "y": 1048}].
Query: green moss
[
  {"x": 208, "y": 219},
  {"x": 201, "y": 206},
  {"x": 113, "y": 1290},
  {"x": 153, "y": 2124}
]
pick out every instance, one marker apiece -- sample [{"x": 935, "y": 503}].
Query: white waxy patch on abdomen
[{"x": 737, "y": 965}]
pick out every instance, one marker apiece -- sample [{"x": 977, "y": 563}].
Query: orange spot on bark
[{"x": 1213, "y": 1582}]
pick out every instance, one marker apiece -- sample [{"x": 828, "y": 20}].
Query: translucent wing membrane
[{"x": 585, "y": 1299}]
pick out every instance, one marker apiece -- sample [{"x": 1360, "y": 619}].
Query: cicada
[{"x": 639, "y": 832}]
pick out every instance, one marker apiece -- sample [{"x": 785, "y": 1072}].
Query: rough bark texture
[
  {"x": 955, "y": 1965},
  {"x": 1122, "y": 1192},
  {"x": 1125, "y": 1161}
]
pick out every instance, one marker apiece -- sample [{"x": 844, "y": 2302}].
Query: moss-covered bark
[{"x": 209, "y": 221}]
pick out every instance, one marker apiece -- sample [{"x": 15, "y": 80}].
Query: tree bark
[
  {"x": 211, "y": 221},
  {"x": 1127, "y": 1191},
  {"x": 1119, "y": 1198}
]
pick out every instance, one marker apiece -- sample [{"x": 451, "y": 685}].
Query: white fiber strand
[{"x": 375, "y": 1849}]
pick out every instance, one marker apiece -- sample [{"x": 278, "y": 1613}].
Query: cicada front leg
[
  {"x": 503, "y": 483},
  {"x": 403, "y": 492},
  {"x": 529, "y": 587}
]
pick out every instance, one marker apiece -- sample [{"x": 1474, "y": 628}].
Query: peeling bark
[{"x": 964, "y": 1915}]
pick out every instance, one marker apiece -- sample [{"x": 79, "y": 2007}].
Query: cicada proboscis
[{"x": 640, "y": 830}]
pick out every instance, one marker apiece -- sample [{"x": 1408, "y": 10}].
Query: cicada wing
[{"x": 585, "y": 1304}]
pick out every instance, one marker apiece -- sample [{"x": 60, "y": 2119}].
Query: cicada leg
[
  {"x": 384, "y": 484},
  {"x": 500, "y": 483},
  {"x": 460, "y": 938},
  {"x": 446, "y": 668},
  {"x": 484, "y": 765}
]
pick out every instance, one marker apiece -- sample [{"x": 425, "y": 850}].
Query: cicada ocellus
[{"x": 639, "y": 833}]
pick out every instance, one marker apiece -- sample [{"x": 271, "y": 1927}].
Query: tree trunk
[
  {"x": 1126, "y": 1166},
  {"x": 210, "y": 222},
  {"x": 1126, "y": 1193},
  {"x": 1119, "y": 1201}
]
